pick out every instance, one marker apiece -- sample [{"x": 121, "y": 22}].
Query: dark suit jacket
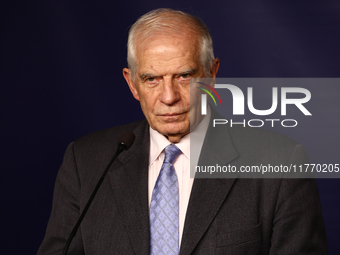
[{"x": 224, "y": 216}]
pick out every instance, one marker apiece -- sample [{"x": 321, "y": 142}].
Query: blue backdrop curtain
[{"x": 61, "y": 78}]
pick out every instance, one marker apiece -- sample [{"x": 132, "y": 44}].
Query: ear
[
  {"x": 128, "y": 78},
  {"x": 214, "y": 69}
]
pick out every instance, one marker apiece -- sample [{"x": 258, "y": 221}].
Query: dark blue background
[{"x": 61, "y": 78}]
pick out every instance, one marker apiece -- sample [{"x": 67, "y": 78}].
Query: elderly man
[{"x": 148, "y": 204}]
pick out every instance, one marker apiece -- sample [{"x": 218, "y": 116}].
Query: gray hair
[{"x": 164, "y": 19}]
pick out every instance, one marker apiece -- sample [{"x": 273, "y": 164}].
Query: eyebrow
[
  {"x": 190, "y": 70},
  {"x": 148, "y": 75}
]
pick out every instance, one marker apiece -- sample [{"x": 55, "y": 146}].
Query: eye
[
  {"x": 186, "y": 75},
  {"x": 150, "y": 79}
]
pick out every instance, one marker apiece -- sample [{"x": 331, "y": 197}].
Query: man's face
[{"x": 165, "y": 64}]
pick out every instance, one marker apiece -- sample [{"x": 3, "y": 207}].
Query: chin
[{"x": 175, "y": 132}]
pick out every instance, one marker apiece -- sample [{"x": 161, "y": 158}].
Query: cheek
[
  {"x": 185, "y": 96},
  {"x": 147, "y": 104}
]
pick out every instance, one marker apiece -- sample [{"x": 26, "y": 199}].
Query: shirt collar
[{"x": 158, "y": 141}]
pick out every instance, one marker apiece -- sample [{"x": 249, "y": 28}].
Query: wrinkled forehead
[
  {"x": 175, "y": 38},
  {"x": 167, "y": 51}
]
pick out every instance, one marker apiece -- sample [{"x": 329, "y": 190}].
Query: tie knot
[{"x": 171, "y": 153}]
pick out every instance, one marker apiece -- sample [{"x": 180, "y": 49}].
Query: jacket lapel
[
  {"x": 207, "y": 195},
  {"x": 130, "y": 188},
  {"x": 129, "y": 180}
]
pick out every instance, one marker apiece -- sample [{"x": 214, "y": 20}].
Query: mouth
[
  {"x": 173, "y": 114},
  {"x": 172, "y": 117},
  {"x": 170, "y": 114}
]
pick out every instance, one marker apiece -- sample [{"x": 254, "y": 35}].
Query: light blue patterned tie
[{"x": 164, "y": 207}]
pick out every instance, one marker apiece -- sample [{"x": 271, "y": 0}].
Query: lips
[{"x": 170, "y": 114}]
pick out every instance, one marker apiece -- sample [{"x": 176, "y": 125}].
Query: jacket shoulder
[
  {"x": 265, "y": 146},
  {"x": 261, "y": 136},
  {"x": 108, "y": 138}
]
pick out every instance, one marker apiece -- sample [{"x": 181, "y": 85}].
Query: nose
[{"x": 170, "y": 92}]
